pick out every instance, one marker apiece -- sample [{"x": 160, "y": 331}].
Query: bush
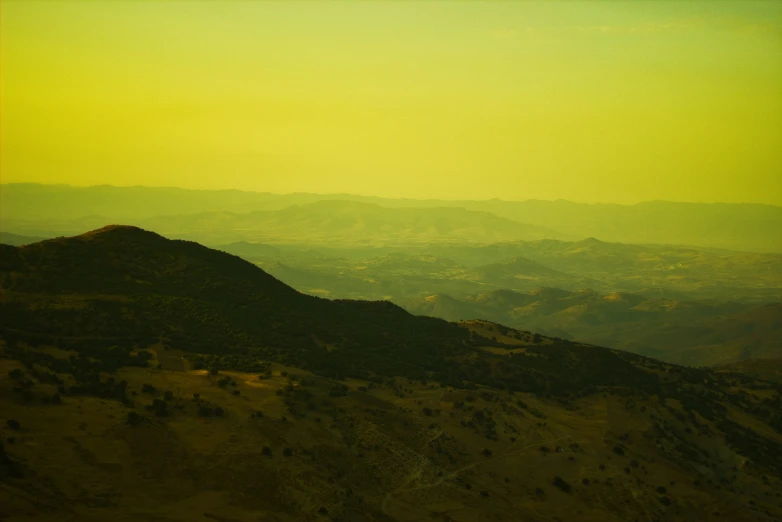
[
  {"x": 159, "y": 407},
  {"x": 14, "y": 425},
  {"x": 562, "y": 484},
  {"x": 287, "y": 452},
  {"x": 266, "y": 451},
  {"x": 133, "y": 418}
]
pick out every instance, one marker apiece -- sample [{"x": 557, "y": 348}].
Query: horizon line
[{"x": 335, "y": 194}]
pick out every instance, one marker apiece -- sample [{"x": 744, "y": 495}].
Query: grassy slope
[{"x": 372, "y": 455}]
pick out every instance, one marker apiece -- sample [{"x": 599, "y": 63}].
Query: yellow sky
[{"x": 606, "y": 101}]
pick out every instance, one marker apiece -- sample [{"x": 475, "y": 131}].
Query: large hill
[{"x": 150, "y": 379}]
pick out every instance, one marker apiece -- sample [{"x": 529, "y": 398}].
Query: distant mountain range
[
  {"x": 27, "y": 208},
  {"x": 10, "y": 238}
]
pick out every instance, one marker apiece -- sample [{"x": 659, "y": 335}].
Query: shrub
[
  {"x": 13, "y": 424},
  {"x": 562, "y": 484},
  {"x": 159, "y": 407},
  {"x": 287, "y": 452}
]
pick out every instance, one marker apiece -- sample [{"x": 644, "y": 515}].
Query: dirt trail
[{"x": 452, "y": 475}]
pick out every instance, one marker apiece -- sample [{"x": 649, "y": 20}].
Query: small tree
[{"x": 13, "y": 424}]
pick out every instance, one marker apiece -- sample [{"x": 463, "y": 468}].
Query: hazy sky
[{"x": 606, "y": 101}]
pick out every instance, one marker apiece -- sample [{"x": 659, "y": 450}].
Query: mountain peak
[{"x": 119, "y": 231}]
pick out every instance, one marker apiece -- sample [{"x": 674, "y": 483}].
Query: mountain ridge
[{"x": 736, "y": 226}]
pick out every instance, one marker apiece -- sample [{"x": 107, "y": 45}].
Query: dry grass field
[{"x": 285, "y": 448}]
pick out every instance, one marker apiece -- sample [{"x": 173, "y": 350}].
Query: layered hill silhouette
[
  {"x": 322, "y": 222},
  {"x": 45, "y": 210},
  {"x": 10, "y": 238},
  {"x": 153, "y": 379}
]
